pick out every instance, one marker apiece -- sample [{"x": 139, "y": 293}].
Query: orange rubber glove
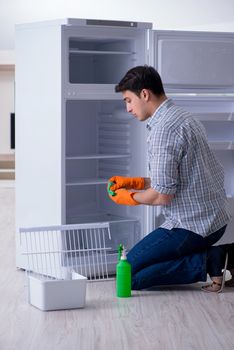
[
  {"x": 124, "y": 197},
  {"x": 136, "y": 183}
]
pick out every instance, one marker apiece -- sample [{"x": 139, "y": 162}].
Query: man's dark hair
[{"x": 141, "y": 77}]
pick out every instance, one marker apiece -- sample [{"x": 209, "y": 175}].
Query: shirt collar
[{"x": 159, "y": 113}]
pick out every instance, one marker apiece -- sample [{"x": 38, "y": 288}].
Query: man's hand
[
  {"x": 123, "y": 197},
  {"x": 136, "y": 183}
]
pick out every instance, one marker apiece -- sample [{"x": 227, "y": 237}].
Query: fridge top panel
[
  {"x": 87, "y": 22},
  {"x": 195, "y": 60},
  {"x": 108, "y": 23}
]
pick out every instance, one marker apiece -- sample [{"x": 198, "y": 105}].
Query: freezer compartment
[
  {"x": 98, "y": 61},
  {"x": 193, "y": 60}
]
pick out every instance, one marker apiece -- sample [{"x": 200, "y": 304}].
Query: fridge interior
[
  {"x": 102, "y": 140},
  {"x": 104, "y": 60}
]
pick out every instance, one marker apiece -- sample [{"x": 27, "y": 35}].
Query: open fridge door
[{"x": 197, "y": 70}]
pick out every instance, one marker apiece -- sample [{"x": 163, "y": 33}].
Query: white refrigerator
[{"x": 72, "y": 129}]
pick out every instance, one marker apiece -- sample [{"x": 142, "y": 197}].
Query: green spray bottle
[{"x": 123, "y": 274}]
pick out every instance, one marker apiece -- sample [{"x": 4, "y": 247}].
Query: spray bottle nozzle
[
  {"x": 123, "y": 256},
  {"x": 120, "y": 249}
]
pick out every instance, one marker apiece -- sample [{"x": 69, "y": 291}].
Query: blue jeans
[{"x": 176, "y": 256}]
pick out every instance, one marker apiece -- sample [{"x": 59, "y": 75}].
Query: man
[{"x": 184, "y": 178}]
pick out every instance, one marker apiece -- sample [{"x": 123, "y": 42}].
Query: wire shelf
[{"x": 56, "y": 252}]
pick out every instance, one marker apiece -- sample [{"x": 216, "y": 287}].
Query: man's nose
[{"x": 129, "y": 109}]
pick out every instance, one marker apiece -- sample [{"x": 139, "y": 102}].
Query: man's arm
[
  {"x": 152, "y": 197},
  {"x": 148, "y": 196}
]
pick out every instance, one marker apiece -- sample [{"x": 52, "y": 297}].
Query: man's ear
[{"x": 145, "y": 94}]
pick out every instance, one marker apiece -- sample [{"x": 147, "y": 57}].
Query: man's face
[{"x": 137, "y": 105}]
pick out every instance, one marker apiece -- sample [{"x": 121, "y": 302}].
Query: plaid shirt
[{"x": 181, "y": 163}]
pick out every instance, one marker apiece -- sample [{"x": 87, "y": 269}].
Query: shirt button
[{"x": 148, "y": 127}]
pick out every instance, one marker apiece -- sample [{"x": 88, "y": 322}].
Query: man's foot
[
  {"x": 219, "y": 281},
  {"x": 215, "y": 287}
]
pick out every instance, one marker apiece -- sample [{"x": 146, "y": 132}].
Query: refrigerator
[{"x": 73, "y": 132}]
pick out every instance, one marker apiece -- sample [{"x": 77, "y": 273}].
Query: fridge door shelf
[
  {"x": 216, "y": 117},
  {"x": 219, "y": 145},
  {"x": 218, "y": 106},
  {"x": 98, "y": 156},
  {"x": 98, "y": 52},
  {"x": 87, "y": 181},
  {"x": 98, "y": 217},
  {"x": 222, "y": 145}
]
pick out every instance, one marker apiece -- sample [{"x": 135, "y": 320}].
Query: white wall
[
  {"x": 6, "y": 107},
  {"x": 214, "y": 15},
  {"x": 164, "y": 14}
]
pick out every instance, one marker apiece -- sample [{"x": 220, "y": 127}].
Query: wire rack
[{"x": 56, "y": 252}]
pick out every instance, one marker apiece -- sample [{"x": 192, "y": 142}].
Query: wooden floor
[{"x": 180, "y": 318}]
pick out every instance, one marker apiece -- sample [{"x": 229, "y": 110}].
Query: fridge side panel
[{"x": 38, "y": 128}]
